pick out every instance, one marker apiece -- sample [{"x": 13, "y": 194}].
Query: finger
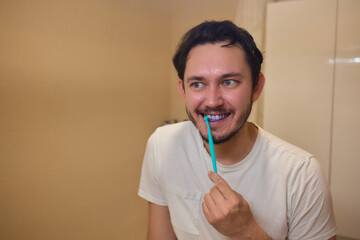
[
  {"x": 212, "y": 210},
  {"x": 210, "y": 203},
  {"x": 217, "y": 196},
  {"x": 221, "y": 184},
  {"x": 207, "y": 212}
]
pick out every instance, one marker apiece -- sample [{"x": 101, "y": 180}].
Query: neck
[{"x": 238, "y": 147}]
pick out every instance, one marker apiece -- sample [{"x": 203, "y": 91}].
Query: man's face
[{"x": 217, "y": 82}]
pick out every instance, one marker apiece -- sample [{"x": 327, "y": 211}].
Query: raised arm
[{"x": 160, "y": 227}]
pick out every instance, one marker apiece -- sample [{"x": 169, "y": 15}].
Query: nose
[{"x": 214, "y": 97}]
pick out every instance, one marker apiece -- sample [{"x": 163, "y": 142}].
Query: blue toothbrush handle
[{"x": 211, "y": 145}]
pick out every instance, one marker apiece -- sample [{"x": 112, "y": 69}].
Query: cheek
[
  {"x": 239, "y": 99},
  {"x": 194, "y": 100}
]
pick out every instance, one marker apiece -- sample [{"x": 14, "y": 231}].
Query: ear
[
  {"x": 258, "y": 88},
  {"x": 181, "y": 88}
]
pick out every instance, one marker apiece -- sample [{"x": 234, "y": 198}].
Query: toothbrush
[{"x": 211, "y": 144}]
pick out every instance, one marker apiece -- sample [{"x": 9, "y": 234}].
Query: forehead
[{"x": 211, "y": 58}]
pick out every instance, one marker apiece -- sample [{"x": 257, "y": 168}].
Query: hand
[{"x": 229, "y": 213}]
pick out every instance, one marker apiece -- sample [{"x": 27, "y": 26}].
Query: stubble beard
[{"x": 240, "y": 122}]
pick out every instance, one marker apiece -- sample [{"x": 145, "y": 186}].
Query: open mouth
[{"x": 216, "y": 117}]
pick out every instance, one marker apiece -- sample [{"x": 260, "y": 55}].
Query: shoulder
[
  {"x": 276, "y": 144},
  {"x": 174, "y": 132},
  {"x": 174, "y": 129},
  {"x": 174, "y": 136},
  {"x": 284, "y": 155}
]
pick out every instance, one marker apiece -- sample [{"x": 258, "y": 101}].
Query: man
[{"x": 265, "y": 189}]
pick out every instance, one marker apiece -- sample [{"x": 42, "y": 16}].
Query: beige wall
[{"x": 82, "y": 86}]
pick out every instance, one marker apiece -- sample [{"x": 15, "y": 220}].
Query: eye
[
  {"x": 229, "y": 82},
  {"x": 196, "y": 85}
]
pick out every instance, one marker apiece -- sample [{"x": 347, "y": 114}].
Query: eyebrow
[
  {"x": 231, "y": 74},
  {"x": 226, "y": 75},
  {"x": 194, "y": 78}
]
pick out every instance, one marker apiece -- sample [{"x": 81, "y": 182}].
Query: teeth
[{"x": 215, "y": 118}]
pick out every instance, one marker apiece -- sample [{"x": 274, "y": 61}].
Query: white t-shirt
[{"x": 283, "y": 185}]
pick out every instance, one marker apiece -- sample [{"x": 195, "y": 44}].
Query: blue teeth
[{"x": 215, "y": 118}]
